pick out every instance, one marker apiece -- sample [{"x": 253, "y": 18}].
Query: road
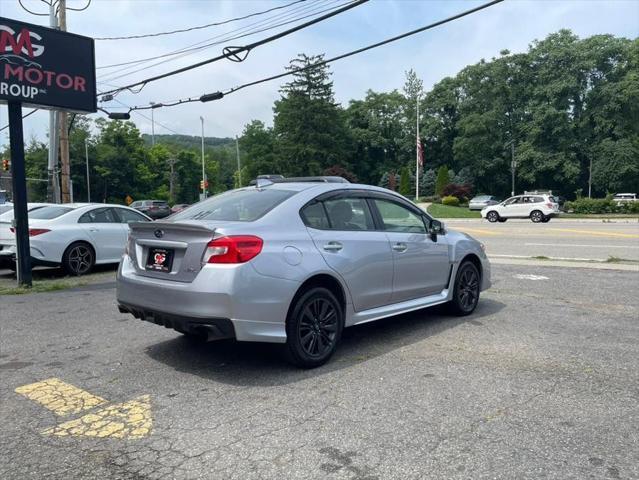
[
  {"x": 573, "y": 239},
  {"x": 541, "y": 382}
]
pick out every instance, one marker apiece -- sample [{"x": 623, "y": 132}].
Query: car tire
[
  {"x": 78, "y": 259},
  {"x": 466, "y": 290},
  {"x": 536, "y": 216},
  {"x": 492, "y": 216},
  {"x": 502, "y": 220},
  {"x": 546, "y": 219},
  {"x": 313, "y": 328}
]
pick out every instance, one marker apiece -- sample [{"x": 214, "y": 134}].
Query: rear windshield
[
  {"x": 482, "y": 197},
  {"x": 158, "y": 204},
  {"x": 48, "y": 213},
  {"x": 235, "y": 205}
]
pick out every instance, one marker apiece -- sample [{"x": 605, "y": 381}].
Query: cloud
[{"x": 434, "y": 54}]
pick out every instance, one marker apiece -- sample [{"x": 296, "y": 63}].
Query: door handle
[
  {"x": 333, "y": 247},
  {"x": 400, "y": 247},
  {"x": 94, "y": 230}
]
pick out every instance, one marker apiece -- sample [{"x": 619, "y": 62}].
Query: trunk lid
[{"x": 183, "y": 244}]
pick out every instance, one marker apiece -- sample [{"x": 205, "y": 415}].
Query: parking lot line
[
  {"x": 130, "y": 420},
  {"x": 60, "y": 397}
]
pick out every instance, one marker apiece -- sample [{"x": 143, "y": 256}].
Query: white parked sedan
[{"x": 76, "y": 236}]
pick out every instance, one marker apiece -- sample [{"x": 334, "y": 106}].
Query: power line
[
  {"x": 32, "y": 12},
  {"x": 234, "y": 53},
  {"x": 183, "y": 53},
  {"x": 198, "y": 45},
  {"x": 220, "y": 94},
  {"x": 23, "y": 117},
  {"x": 200, "y": 27},
  {"x": 80, "y": 9},
  {"x": 148, "y": 118}
]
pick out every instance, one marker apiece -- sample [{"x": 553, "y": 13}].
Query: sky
[{"x": 433, "y": 54}]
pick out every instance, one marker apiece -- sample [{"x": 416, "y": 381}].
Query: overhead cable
[{"x": 238, "y": 54}]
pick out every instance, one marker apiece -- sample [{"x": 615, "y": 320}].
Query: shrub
[
  {"x": 339, "y": 171},
  {"x": 430, "y": 199},
  {"x": 450, "y": 201},
  {"x": 600, "y": 206},
  {"x": 463, "y": 192},
  {"x": 404, "y": 182},
  {"x": 442, "y": 180}
]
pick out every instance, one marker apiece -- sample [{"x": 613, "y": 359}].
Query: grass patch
[
  {"x": 438, "y": 210},
  {"x": 42, "y": 286},
  {"x": 613, "y": 259}
]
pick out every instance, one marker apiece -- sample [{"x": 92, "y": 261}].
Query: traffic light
[{"x": 5, "y": 164}]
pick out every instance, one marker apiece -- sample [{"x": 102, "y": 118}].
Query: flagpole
[{"x": 417, "y": 155}]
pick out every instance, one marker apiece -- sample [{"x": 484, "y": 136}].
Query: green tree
[
  {"x": 404, "y": 182},
  {"x": 442, "y": 180},
  {"x": 309, "y": 126}
]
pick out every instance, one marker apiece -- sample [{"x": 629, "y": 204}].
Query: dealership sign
[{"x": 43, "y": 67}]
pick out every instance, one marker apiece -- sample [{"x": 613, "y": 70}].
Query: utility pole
[
  {"x": 152, "y": 124},
  {"x": 53, "y": 186},
  {"x": 590, "y": 178},
  {"x": 239, "y": 167},
  {"x": 417, "y": 154},
  {"x": 512, "y": 166},
  {"x": 172, "y": 179},
  {"x": 86, "y": 154},
  {"x": 64, "y": 134},
  {"x": 203, "y": 195}
]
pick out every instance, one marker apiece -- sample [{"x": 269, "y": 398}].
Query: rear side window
[
  {"x": 314, "y": 216},
  {"x": 159, "y": 204},
  {"x": 349, "y": 214},
  {"x": 127, "y": 216},
  {"x": 237, "y": 205},
  {"x": 48, "y": 213},
  {"x": 99, "y": 215}
]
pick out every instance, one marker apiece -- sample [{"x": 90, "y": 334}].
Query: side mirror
[{"x": 436, "y": 228}]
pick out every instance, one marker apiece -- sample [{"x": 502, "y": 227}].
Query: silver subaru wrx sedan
[{"x": 295, "y": 262}]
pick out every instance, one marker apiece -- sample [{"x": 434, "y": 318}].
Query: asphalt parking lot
[{"x": 541, "y": 382}]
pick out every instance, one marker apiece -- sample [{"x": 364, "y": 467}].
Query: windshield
[
  {"x": 235, "y": 205},
  {"x": 48, "y": 213},
  {"x": 482, "y": 197}
]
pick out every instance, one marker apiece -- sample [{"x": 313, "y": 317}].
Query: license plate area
[{"x": 159, "y": 259}]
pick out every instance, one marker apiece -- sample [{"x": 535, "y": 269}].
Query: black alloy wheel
[
  {"x": 78, "y": 259},
  {"x": 492, "y": 216},
  {"x": 536, "y": 216},
  {"x": 467, "y": 286},
  {"x": 314, "y": 328}
]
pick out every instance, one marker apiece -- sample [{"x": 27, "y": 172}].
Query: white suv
[{"x": 538, "y": 207}]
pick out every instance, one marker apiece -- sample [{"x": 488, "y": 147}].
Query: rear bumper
[
  {"x": 208, "y": 328},
  {"x": 254, "y": 304}
]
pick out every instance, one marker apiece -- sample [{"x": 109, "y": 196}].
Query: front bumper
[{"x": 254, "y": 304}]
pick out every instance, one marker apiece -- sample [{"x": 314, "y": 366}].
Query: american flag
[{"x": 420, "y": 153}]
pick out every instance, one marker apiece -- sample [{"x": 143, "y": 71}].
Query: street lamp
[
  {"x": 86, "y": 153},
  {"x": 203, "y": 169}
]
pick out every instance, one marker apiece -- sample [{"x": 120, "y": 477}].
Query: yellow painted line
[
  {"x": 60, "y": 397},
  {"x": 131, "y": 420},
  {"x": 596, "y": 233},
  {"x": 476, "y": 230}
]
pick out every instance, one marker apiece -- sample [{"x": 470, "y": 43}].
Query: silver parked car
[
  {"x": 481, "y": 201},
  {"x": 295, "y": 263}
]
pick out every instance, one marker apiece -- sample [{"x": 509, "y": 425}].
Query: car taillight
[
  {"x": 549, "y": 205},
  {"x": 233, "y": 249},
  {"x": 33, "y": 231}
]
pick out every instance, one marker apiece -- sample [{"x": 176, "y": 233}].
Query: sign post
[
  {"x": 40, "y": 68},
  {"x": 19, "y": 181}
]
